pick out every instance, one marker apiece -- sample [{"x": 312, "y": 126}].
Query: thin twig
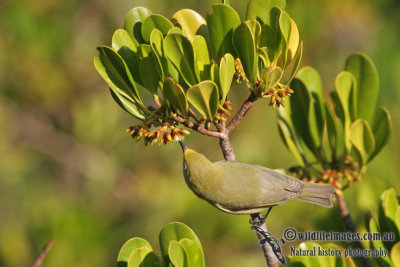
[
  {"x": 229, "y": 154},
  {"x": 197, "y": 127},
  {"x": 242, "y": 112},
  {"x": 348, "y": 222},
  {"x": 42, "y": 255}
]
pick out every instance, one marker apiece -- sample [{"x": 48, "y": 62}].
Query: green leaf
[
  {"x": 294, "y": 40},
  {"x": 175, "y": 30},
  {"x": 191, "y": 23},
  {"x": 307, "y": 261},
  {"x": 366, "y": 75},
  {"x": 202, "y": 58},
  {"x": 137, "y": 256},
  {"x": 174, "y": 93},
  {"x": 175, "y": 231},
  {"x": 290, "y": 142},
  {"x": 194, "y": 252},
  {"x": 133, "y": 23},
  {"x": 362, "y": 139},
  {"x": 269, "y": 38},
  {"x": 377, "y": 244},
  {"x": 285, "y": 27},
  {"x": 292, "y": 66},
  {"x": 127, "y": 249},
  {"x": 246, "y": 49},
  {"x": 155, "y": 22},
  {"x": 255, "y": 29},
  {"x": 177, "y": 254},
  {"x": 389, "y": 203},
  {"x": 335, "y": 132},
  {"x": 149, "y": 74},
  {"x": 128, "y": 104},
  {"x": 312, "y": 81},
  {"x": 123, "y": 99},
  {"x": 382, "y": 129},
  {"x": 344, "y": 86},
  {"x": 204, "y": 98},
  {"x": 144, "y": 50},
  {"x": 157, "y": 45},
  {"x": 117, "y": 72},
  {"x": 395, "y": 254},
  {"x": 272, "y": 78},
  {"x": 179, "y": 51},
  {"x": 302, "y": 110},
  {"x": 260, "y": 9},
  {"x": 127, "y": 49},
  {"x": 226, "y": 72},
  {"x": 221, "y": 25},
  {"x": 152, "y": 260}
]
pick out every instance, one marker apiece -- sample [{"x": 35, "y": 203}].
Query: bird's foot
[{"x": 257, "y": 219}]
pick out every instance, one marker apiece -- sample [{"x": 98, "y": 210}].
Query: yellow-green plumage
[{"x": 241, "y": 188}]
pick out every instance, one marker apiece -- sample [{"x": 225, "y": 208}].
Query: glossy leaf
[
  {"x": 137, "y": 257},
  {"x": 194, "y": 251},
  {"x": 157, "y": 45},
  {"x": 382, "y": 129},
  {"x": 226, "y": 72},
  {"x": 312, "y": 81},
  {"x": 389, "y": 203},
  {"x": 268, "y": 38},
  {"x": 177, "y": 254},
  {"x": 292, "y": 66},
  {"x": 395, "y": 254},
  {"x": 175, "y": 30},
  {"x": 174, "y": 231},
  {"x": 116, "y": 72},
  {"x": 335, "y": 132},
  {"x": 174, "y": 93},
  {"x": 301, "y": 109},
  {"x": 133, "y": 23},
  {"x": 191, "y": 23},
  {"x": 144, "y": 50},
  {"x": 129, "y": 246},
  {"x": 344, "y": 86},
  {"x": 272, "y": 78},
  {"x": 179, "y": 51},
  {"x": 284, "y": 26},
  {"x": 221, "y": 25},
  {"x": 202, "y": 58},
  {"x": 127, "y": 49},
  {"x": 366, "y": 75},
  {"x": 149, "y": 74},
  {"x": 255, "y": 29},
  {"x": 362, "y": 139},
  {"x": 204, "y": 98},
  {"x": 246, "y": 49},
  {"x": 289, "y": 141},
  {"x": 378, "y": 244},
  {"x": 294, "y": 40},
  {"x": 260, "y": 9},
  {"x": 128, "y": 104},
  {"x": 152, "y": 22}
]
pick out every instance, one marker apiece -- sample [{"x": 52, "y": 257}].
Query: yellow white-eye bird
[{"x": 241, "y": 188}]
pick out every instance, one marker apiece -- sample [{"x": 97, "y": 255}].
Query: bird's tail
[{"x": 320, "y": 194}]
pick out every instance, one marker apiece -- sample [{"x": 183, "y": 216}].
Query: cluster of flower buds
[
  {"x": 345, "y": 177},
  {"x": 165, "y": 134},
  {"x": 277, "y": 95},
  {"x": 239, "y": 72},
  {"x": 224, "y": 113}
]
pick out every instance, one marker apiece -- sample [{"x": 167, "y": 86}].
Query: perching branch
[
  {"x": 197, "y": 127},
  {"x": 242, "y": 112},
  {"x": 229, "y": 154},
  {"x": 39, "y": 260},
  {"x": 348, "y": 221}
]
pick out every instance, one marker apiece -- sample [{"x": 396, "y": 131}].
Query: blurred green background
[{"x": 69, "y": 172}]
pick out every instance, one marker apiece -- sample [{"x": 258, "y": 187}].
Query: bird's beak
[{"x": 184, "y": 147}]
